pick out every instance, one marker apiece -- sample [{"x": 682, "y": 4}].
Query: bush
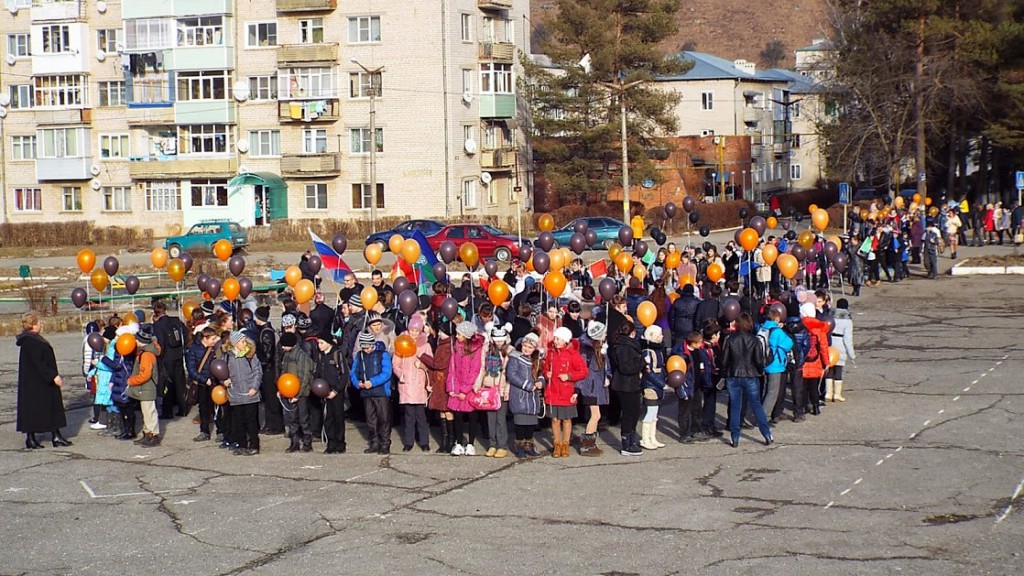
[{"x": 73, "y": 233}]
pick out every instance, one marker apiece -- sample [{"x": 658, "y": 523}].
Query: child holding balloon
[
  {"x": 198, "y": 357},
  {"x": 296, "y": 362}
]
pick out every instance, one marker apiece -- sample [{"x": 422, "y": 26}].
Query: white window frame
[
  {"x": 23, "y": 147},
  {"x": 56, "y": 39},
  {"x": 510, "y": 30},
  {"x": 22, "y": 96},
  {"x": 107, "y": 39},
  {"x": 311, "y": 31},
  {"x": 306, "y": 83},
  {"x": 28, "y": 200},
  {"x": 796, "y": 172},
  {"x": 60, "y": 143},
  {"x": 263, "y": 87},
  {"x": 314, "y": 141},
  {"x": 212, "y": 193},
  {"x": 361, "y": 30},
  {"x": 359, "y": 85},
  {"x": 359, "y": 140},
  {"x": 163, "y": 196},
  {"x": 263, "y": 32},
  {"x": 264, "y": 143},
  {"x": 361, "y": 191},
  {"x": 112, "y": 93},
  {"x": 70, "y": 198},
  {"x": 19, "y": 45},
  {"x": 149, "y": 34},
  {"x": 316, "y": 194},
  {"x": 707, "y": 101},
  {"x": 198, "y": 31},
  {"x": 469, "y": 133},
  {"x": 60, "y": 91},
  {"x": 497, "y": 78},
  {"x": 203, "y": 85},
  {"x": 114, "y": 146},
  {"x": 469, "y": 193},
  {"x": 492, "y": 193},
  {"x": 468, "y": 80},
  {"x": 215, "y": 139},
  {"x": 706, "y": 133},
  {"x": 117, "y": 199},
  {"x": 466, "y": 26}
]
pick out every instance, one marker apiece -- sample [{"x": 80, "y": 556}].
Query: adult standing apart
[
  {"x": 170, "y": 336},
  {"x": 842, "y": 339},
  {"x": 628, "y": 362},
  {"x": 40, "y": 405},
  {"x": 743, "y": 362}
]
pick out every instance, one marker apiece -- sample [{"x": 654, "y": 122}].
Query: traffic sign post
[
  {"x": 844, "y": 199},
  {"x": 1020, "y": 185}
]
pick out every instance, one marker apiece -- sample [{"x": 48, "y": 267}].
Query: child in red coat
[{"x": 563, "y": 368}]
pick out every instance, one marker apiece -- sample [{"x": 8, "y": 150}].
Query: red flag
[{"x": 598, "y": 269}]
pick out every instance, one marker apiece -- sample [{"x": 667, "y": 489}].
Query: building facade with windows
[{"x": 160, "y": 113}]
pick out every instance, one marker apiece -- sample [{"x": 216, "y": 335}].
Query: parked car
[
  {"x": 491, "y": 242},
  {"x": 607, "y": 230},
  {"x": 203, "y": 235},
  {"x": 405, "y": 230},
  {"x": 864, "y": 194}
]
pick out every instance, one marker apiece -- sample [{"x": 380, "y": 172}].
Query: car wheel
[
  {"x": 382, "y": 245},
  {"x": 608, "y": 243},
  {"x": 174, "y": 250},
  {"x": 503, "y": 254}
]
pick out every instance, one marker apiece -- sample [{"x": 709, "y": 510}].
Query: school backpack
[
  {"x": 801, "y": 342},
  {"x": 771, "y": 354}
]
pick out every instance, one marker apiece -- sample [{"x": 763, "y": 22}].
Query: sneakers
[
  {"x": 202, "y": 437},
  {"x": 470, "y": 450},
  {"x": 630, "y": 447},
  {"x": 458, "y": 450},
  {"x": 490, "y": 452},
  {"x": 501, "y": 453},
  {"x": 98, "y": 426}
]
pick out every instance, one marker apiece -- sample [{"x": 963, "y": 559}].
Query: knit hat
[
  {"x": 227, "y": 307},
  {"x": 145, "y": 334},
  {"x": 807, "y": 310},
  {"x": 288, "y": 320},
  {"x": 499, "y": 334},
  {"x": 597, "y": 330},
  {"x": 416, "y": 322},
  {"x": 372, "y": 317},
  {"x": 237, "y": 336},
  {"x": 563, "y": 334},
  {"x": 288, "y": 340},
  {"x": 262, "y": 314},
  {"x": 207, "y": 307},
  {"x": 366, "y": 339},
  {"x": 652, "y": 333},
  {"x": 466, "y": 329},
  {"x": 355, "y": 300},
  {"x": 303, "y": 322},
  {"x": 532, "y": 337}
]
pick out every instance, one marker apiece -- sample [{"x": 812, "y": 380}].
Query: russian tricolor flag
[{"x": 332, "y": 261}]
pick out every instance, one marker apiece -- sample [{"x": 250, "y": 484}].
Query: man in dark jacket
[
  {"x": 329, "y": 368},
  {"x": 266, "y": 352},
  {"x": 170, "y": 337},
  {"x": 628, "y": 363},
  {"x": 322, "y": 315},
  {"x": 683, "y": 312},
  {"x": 709, "y": 309}
]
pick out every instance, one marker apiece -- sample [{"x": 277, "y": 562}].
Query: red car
[{"x": 491, "y": 242}]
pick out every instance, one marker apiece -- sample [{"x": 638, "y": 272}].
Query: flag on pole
[
  {"x": 598, "y": 269},
  {"x": 422, "y": 272},
  {"x": 332, "y": 261}
]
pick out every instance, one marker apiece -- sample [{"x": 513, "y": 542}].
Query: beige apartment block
[{"x": 161, "y": 113}]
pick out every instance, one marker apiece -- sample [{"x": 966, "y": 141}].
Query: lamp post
[
  {"x": 621, "y": 88},
  {"x": 372, "y": 73}
]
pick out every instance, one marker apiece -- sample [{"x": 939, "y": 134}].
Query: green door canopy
[{"x": 269, "y": 179}]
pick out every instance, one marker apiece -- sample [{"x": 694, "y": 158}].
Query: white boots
[
  {"x": 648, "y": 435},
  {"x": 837, "y": 387},
  {"x": 828, "y": 391}
]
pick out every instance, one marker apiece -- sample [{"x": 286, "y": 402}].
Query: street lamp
[
  {"x": 621, "y": 88},
  {"x": 373, "y": 139}
]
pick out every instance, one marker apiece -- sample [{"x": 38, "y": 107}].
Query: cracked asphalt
[{"x": 919, "y": 472}]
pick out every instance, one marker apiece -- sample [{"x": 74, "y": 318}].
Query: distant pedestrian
[{"x": 40, "y": 405}]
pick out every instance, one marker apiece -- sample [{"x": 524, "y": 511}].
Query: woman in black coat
[
  {"x": 628, "y": 363},
  {"x": 40, "y": 406}
]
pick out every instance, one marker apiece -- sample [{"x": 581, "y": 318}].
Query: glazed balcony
[{"x": 299, "y": 6}]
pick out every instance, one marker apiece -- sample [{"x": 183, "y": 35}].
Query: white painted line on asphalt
[
  {"x": 92, "y": 493},
  {"x": 968, "y": 389},
  {"x": 889, "y": 455},
  {"x": 956, "y": 398},
  {"x": 830, "y": 503},
  {"x": 983, "y": 374},
  {"x": 845, "y": 492},
  {"x": 926, "y": 422},
  {"x": 1017, "y": 491},
  {"x": 943, "y": 411},
  {"x": 879, "y": 463},
  {"x": 900, "y": 448},
  {"x": 364, "y": 474},
  {"x": 914, "y": 435},
  {"x": 261, "y": 509},
  {"x": 858, "y": 481},
  {"x": 1004, "y": 514},
  {"x": 1009, "y": 508}
]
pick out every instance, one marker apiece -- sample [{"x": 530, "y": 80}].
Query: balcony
[
  {"x": 494, "y": 4},
  {"x": 497, "y": 105},
  {"x": 310, "y": 111},
  {"x": 497, "y": 51},
  {"x": 175, "y": 8},
  {"x": 177, "y": 167},
  {"x": 63, "y": 117},
  {"x": 311, "y": 165},
  {"x": 290, "y": 54},
  {"x": 204, "y": 112},
  {"x": 60, "y": 63},
  {"x": 58, "y": 11},
  {"x": 150, "y": 115},
  {"x": 62, "y": 169},
  {"x": 498, "y": 160},
  {"x": 200, "y": 58},
  {"x": 290, "y": 6},
  {"x": 778, "y": 148}
]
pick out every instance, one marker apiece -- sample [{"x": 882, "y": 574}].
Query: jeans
[
  {"x": 378, "y": 421},
  {"x": 748, "y": 388},
  {"x": 931, "y": 263}
]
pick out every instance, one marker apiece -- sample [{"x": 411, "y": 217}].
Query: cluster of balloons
[
  {"x": 801, "y": 247},
  {"x": 99, "y": 278}
]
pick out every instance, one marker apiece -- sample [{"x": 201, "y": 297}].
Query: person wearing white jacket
[{"x": 842, "y": 339}]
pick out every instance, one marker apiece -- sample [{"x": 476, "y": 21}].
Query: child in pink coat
[{"x": 412, "y": 389}]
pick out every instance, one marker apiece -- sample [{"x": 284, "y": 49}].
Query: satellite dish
[
  {"x": 5, "y": 98},
  {"x": 94, "y": 170},
  {"x": 485, "y": 177},
  {"x": 243, "y": 146},
  {"x": 101, "y": 55},
  {"x": 3, "y": 112},
  {"x": 12, "y": 8},
  {"x": 467, "y": 96},
  {"x": 101, "y": 7},
  {"x": 11, "y": 59},
  {"x": 470, "y": 146},
  {"x": 96, "y": 184},
  {"x": 241, "y": 91}
]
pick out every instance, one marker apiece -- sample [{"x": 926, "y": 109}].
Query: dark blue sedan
[
  {"x": 405, "y": 230},
  {"x": 607, "y": 230}
]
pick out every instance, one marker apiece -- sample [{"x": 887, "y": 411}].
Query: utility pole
[
  {"x": 922, "y": 174},
  {"x": 373, "y": 139},
  {"x": 621, "y": 88}
]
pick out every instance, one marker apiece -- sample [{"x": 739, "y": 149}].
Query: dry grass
[{"x": 74, "y": 233}]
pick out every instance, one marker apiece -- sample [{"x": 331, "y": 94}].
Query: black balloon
[
  {"x": 759, "y": 224},
  {"x": 799, "y": 217},
  {"x": 640, "y": 249},
  {"x": 705, "y": 231},
  {"x": 201, "y": 282},
  {"x": 625, "y": 235},
  {"x": 339, "y": 243},
  {"x": 213, "y": 287},
  {"x": 219, "y": 369},
  {"x": 812, "y": 252},
  {"x": 449, "y": 308},
  {"x": 606, "y": 288},
  {"x": 408, "y": 302},
  {"x": 689, "y": 203},
  {"x": 798, "y": 252},
  {"x": 694, "y": 217},
  {"x": 791, "y": 235},
  {"x": 744, "y": 212},
  {"x": 448, "y": 251},
  {"x": 131, "y": 284},
  {"x": 491, "y": 268},
  {"x": 96, "y": 342},
  {"x": 785, "y": 224},
  {"x": 320, "y": 388},
  {"x": 670, "y": 210},
  {"x": 580, "y": 226},
  {"x": 731, "y": 309},
  {"x": 187, "y": 260},
  {"x": 840, "y": 262},
  {"x": 110, "y": 265},
  {"x": 315, "y": 264},
  {"x": 401, "y": 284},
  {"x": 524, "y": 252},
  {"x": 546, "y": 241},
  {"x": 676, "y": 379},
  {"x": 736, "y": 235},
  {"x": 236, "y": 265},
  {"x": 661, "y": 239},
  {"x": 541, "y": 261},
  {"x": 591, "y": 237},
  {"x": 244, "y": 287},
  {"x": 780, "y": 309},
  {"x": 831, "y": 250},
  {"x": 578, "y": 242},
  {"x": 440, "y": 271},
  {"x": 831, "y": 323}
]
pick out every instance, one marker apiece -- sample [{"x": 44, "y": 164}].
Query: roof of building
[
  {"x": 708, "y": 67},
  {"x": 817, "y": 45},
  {"x": 799, "y": 83}
]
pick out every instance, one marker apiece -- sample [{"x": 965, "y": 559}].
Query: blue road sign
[
  {"x": 1020, "y": 179},
  {"x": 844, "y": 192}
]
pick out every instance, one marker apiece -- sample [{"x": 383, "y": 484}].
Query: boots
[
  {"x": 113, "y": 425},
  {"x": 445, "y": 446},
  {"x": 520, "y": 450},
  {"x": 530, "y": 449},
  {"x": 127, "y": 425},
  {"x": 588, "y": 445},
  {"x": 829, "y": 397},
  {"x": 645, "y": 440},
  {"x": 838, "y": 391},
  {"x": 31, "y": 443},
  {"x": 654, "y": 434},
  {"x": 307, "y": 443},
  {"x": 630, "y": 445},
  {"x": 58, "y": 440},
  {"x": 293, "y": 446}
]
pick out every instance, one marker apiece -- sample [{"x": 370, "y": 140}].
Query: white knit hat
[
  {"x": 652, "y": 333},
  {"x": 563, "y": 334}
]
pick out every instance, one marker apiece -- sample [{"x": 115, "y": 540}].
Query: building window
[
  {"x": 316, "y": 196},
  {"x": 364, "y": 29},
  {"x": 28, "y": 200},
  {"x": 59, "y": 91},
  {"x": 71, "y": 199},
  {"x": 492, "y": 193},
  {"x": 360, "y": 87},
  {"x": 510, "y": 30},
  {"x": 469, "y": 193},
  {"x": 361, "y": 140},
  {"x": 706, "y": 133},
  {"x": 209, "y": 193},
  {"x": 468, "y": 133},
  {"x": 112, "y": 93},
  {"x": 18, "y": 45},
  {"x": 496, "y": 78},
  {"x": 117, "y": 199},
  {"x": 148, "y": 34},
  {"x": 201, "y": 31},
  {"x": 261, "y": 34},
  {"x": 308, "y": 83},
  {"x": 114, "y": 146},
  {"x": 796, "y": 172},
  {"x": 314, "y": 141},
  {"x": 56, "y": 39},
  {"x": 60, "y": 142},
  {"x": 163, "y": 197},
  {"x": 208, "y": 85},
  {"x": 265, "y": 143},
  {"x": 311, "y": 31},
  {"x": 794, "y": 110},
  {"x": 107, "y": 39},
  {"x": 23, "y": 147},
  {"x": 361, "y": 196},
  {"x": 203, "y": 139},
  {"x": 21, "y": 96},
  {"x": 707, "y": 101},
  {"x": 795, "y": 141},
  {"x": 467, "y": 27},
  {"x": 263, "y": 87}
]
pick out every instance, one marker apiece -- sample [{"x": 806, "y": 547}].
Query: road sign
[
  {"x": 844, "y": 192},
  {"x": 1020, "y": 179}
]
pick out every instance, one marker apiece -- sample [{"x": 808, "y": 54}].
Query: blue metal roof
[{"x": 708, "y": 67}]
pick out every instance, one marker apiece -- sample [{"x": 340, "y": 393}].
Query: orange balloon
[
  {"x": 614, "y": 250},
  {"x": 188, "y": 308},
  {"x": 231, "y": 288},
  {"x": 87, "y": 260},
  {"x": 833, "y": 356},
  {"x": 176, "y": 270},
  {"x": 546, "y": 223},
  {"x": 219, "y": 394},
  {"x": 928, "y": 201},
  {"x": 411, "y": 251},
  {"x": 99, "y": 280},
  {"x": 223, "y": 250},
  {"x": 158, "y": 257},
  {"x": 715, "y": 272},
  {"x": 405, "y": 346},
  {"x": 899, "y": 202},
  {"x": 624, "y": 262},
  {"x": 933, "y": 211},
  {"x": 293, "y": 274},
  {"x": 303, "y": 291},
  {"x": 864, "y": 214},
  {"x": 529, "y": 263},
  {"x": 748, "y": 239},
  {"x": 555, "y": 283},
  {"x": 770, "y": 253},
  {"x": 469, "y": 254},
  {"x": 557, "y": 260},
  {"x": 788, "y": 265},
  {"x": 673, "y": 296},
  {"x": 368, "y": 297},
  {"x": 672, "y": 260},
  {"x": 125, "y": 344},
  {"x": 686, "y": 279},
  {"x": 130, "y": 319},
  {"x": 675, "y": 363},
  {"x": 288, "y": 385},
  {"x": 567, "y": 254},
  {"x": 640, "y": 272},
  {"x": 372, "y": 253},
  {"x": 812, "y": 208},
  {"x": 820, "y": 219},
  {"x": 837, "y": 241},
  {"x": 395, "y": 243},
  {"x": 806, "y": 239},
  {"x": 916, "y": 198},
  {"x": 497, "y": 292},
  {"x": 647, "y": 313},
  {"x": 772, "y": 222}
]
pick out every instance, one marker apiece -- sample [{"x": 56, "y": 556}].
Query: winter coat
[
  {"x": 814, "y": 367},
  {"x": 842, "y": 336},
  {"x": 593, "y": 386},
  {"x": 763, "y": 273},
  {"x": 710, "y": 309},
  {"x": 437, "y": 374},
  {"x": 120, "y": 369},
  {"x": 522, "y": 398},
  {"x": 103, "y": 374},
  {"x": 295, "y": 361},
  {"x": 246, "y": 374},
  {"x": 329, "y": 366},
  {"x": 145, "y": 374},
  {"x": 566, "y": 361},
  {"x": 681, "y": 316},
  {"x": 374, "y": 367},
  {"x": 742, "y": 356},
  {"x": 779, "y": 346},
  {"x": 628, "y": 362},
  {"x": 412, "y": 381},
  {"x": 462, "y": 373},
  {"x": 40, "y": 405},
  {"x": 193, "y": 358},
  {"x": 653, "y": 378}
]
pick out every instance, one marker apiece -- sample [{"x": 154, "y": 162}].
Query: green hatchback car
[{"x": 203, "y": 235}]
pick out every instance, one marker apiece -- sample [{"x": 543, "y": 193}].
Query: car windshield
[
  {"x": 197, "y": 230},
  {"x": 492, "y": 231},
  {"x": 404, "y": 226},
  {"x": 235, "y": 228}
]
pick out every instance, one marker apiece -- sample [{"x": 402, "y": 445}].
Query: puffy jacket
[
  {"x": 119, "y": 368},
  {"x": 193, "y": 357},
  {"x": 628, "y": 363},
  {"x": 654, "y": 371},
  {"x": 522, "y": 398},
  {"x": 463, "y": 372},
  {"x": 682, "y": 315},
  {"x": 842, "y": 336},
  {"x": 246, "y": 375},
  {"x": 593, "y": 385},
  {"x": 566, "y": 361},
  {"x": 742, "y": 356},
  {"x": 816, "y": 361},
  {"x": 779, "y": 344},
  {"x": 297, "y": 362},
  {"x": 801, "y": 340},
  {"x": 412, "y": 381},
  {"x": 145, "y": 374},
  {"x": 374, "y": 367}
]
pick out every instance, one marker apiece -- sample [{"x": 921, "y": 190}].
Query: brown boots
[
  {"x": 560, "y": 450},
  {"x": 588, "y": 445}
]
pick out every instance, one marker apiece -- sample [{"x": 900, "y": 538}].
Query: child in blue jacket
[{"x": 371, "y": 375}]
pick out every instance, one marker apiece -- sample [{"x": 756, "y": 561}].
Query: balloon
[
  {"x": 806, "y": 239},
  {"x": 731, "y": 309},
  {"x": 372, "y": 253},
  {"x": 176, "y": 269},
  {"x": 288, "y": 385},
  {"x": 672, "y": 260},
  {"x": 125, "y": 344},
  {"x": 187, "y": 260},
  {"x": 607, "y": 288},
  {"x": 578, "y": 243},
  {"x": 759, "y": 224},
  {"x": 705, "y": 231},
  {"x": 410, "y": 251},
  {"x": 772, "y": 222},
  {"x": 779, "y": 309},
  {"x": 646, "y": 313},
  {"x": 625, "y": 235},
  {"x": 440, "y": 271},
  {"x": 99, "y": 279},
  {"x": 202, "y": 281},
  {"x": 401, "y": 284},
  {"x": 212, "y": 287},
  {"x": 830, "y": 250},
  {"x": 928, "y": 201},
  {"x": 675, "y": 363},
  {"x": 96, "y": 342},
  {"x": 408, "y": 302},
  {"x": 315, "y": 263},
  {"x": 87, "y": 260},
  {"x": 788, "y": 265},
  {"x": 798, "y": 252},
  {"x": 236, "y": 265},
  {"x": 293, "y": 274},
  {"x": 546, "y": 241},
  {"x": 820, "y": 219},
  {"x": 744, "y": 212},
  {"x": 158, "y": 257},
  {"x": 395, "y": 243},
  {"x": 219, "y": 369},
  {"x": 837, "y": 241},
  {"x": 624, "y": 262},
  {"x": 187, "y": 309},
  {"x": 591, "y": 237},
  {"x": 525, "y": 251},
  {"x": 916, "y": 198},
  {"x": 320, "y": 388},
  {"x": 933, "y": 211},
  {"x": 614, "y": 250},
  {"x": 339, "y": 243},
  {"x": 222, "y": 249},
  {"x": 639, "y": 272},
  {"x": 798, "y": 217},
  {"x": 831, "y": 323},
  {"x": 469, "y": 254},
  {"x": 785, "y": 225},
  {"x": 770, "y": 252},
  {"x": 557, "y": 260},
  {"x": 231, "y": 288},
  {"x": 688, "y": 203},
  {"x": 686, "y": 279},
  {"x": 110, "y": 265},
  {"x": 541, "y": 262},
  {"x": 497, "y": 292},
  {"x": 899, "y": 202},
  {"x": 840, "y": 262},
  {"x": 546, "y": 223},
  {"x": 555, "y": 283},
  {"x": 449, "y": 308},
  {"x": 715, "y": 272},
  {"x": 670, "y": 210},
  {"x": 812, "y": 208},
  {"x": 748, "y": 239},
  {"x": 641, "y": 248},
  {"x": 580, "y": 226},
  {"x": 219, "y": 394},
  {"x": 78, "y": 297},
  {"x": 812, "y": 252},
  {"x": 833, "y": 355},
  {"x": 368, "y": 297},
  {"x": 736, "y": 235},
  {"x": 694, "y": 217},
  {"x": 791, "y": 235},
  {"x": 244, "y": 287},
  {"x": 673, "y": 296},
  {"x": 448, "y": 251},
  {"x": 676, "y": 379}
]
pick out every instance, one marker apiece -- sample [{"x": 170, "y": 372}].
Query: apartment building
[{"x": 161, "y": 113}]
